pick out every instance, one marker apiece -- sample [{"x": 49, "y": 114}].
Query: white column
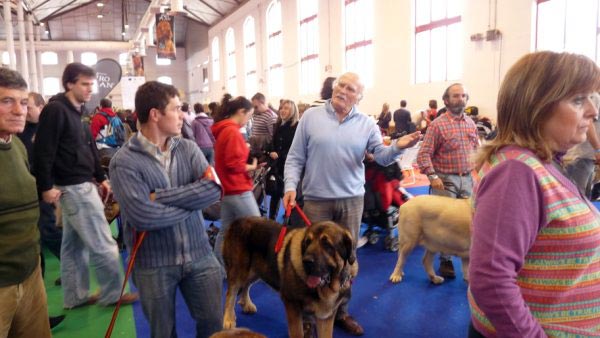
[
  {"x": 23, "y": 42},
  {"x": 70, "y": 57},
  {"x": 34, "y": 75},
  {"x": 10, "y": 42},
  {"x": 38, "y": 37}
]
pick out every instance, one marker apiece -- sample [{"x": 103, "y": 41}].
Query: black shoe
[
  {"x": 447, "y": 269},
  {"x": 58, "y": 282},
  {"x": 54, "y": 321}
]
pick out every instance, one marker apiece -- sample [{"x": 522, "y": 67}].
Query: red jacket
[
  {"x": 99, "y": 121},
  {"x": 231, "y": 154}
]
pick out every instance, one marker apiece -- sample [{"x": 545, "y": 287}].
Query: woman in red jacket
[{"x": 231, "y": 155}]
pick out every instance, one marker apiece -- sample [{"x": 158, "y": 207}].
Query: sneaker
[
  {"x": 93, "y": 299},
  {"x": 447, "y": 269},
  {"x": 54, "y": 321},
  {"x": 128, "y": 298},
  {"x": 362, "y": 241}
]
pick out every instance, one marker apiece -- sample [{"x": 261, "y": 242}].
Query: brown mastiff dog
[{"x": 312, "y": 272}]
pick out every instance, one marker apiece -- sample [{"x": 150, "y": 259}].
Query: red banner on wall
[{"x": 165, "y": 36}]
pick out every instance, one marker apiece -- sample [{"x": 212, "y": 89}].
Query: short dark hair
[
  {"x": 446, "y": 95},
  {"x": 11, "y": 79},
  {"x": 153, "y": 94},
  {"x": 433, "y": 104},
  {"x": 105, "y": 103},
  {"x": 230, "y": 106},
  {"x": 185, "y": 107},
  {"x": 38, "y": 99},
  {"x": 327, "y": 89},
  {"x": 213, "y": 107},
  {"x": 403, "y": 103},
  {"x": 259, "y": 97},
  {"x": 73, "y": 71},
  {"x": 198, "y": 108}
]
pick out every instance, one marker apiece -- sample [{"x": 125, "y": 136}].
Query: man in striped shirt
[
  {"x": 445, "y": 154},
  {"x": 263, "y": 120}
]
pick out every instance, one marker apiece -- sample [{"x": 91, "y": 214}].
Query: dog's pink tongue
[{"x": 313, "y": 281}]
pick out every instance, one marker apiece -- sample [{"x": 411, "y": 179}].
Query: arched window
[
  {"x": 89, "y": 58},
  {"x": 51, "y": 86},
  {"x": 162, "y": 62},
  {"x": 165, "y": 79},
  {"x": 231, "y": 69},
  {"x": 250, "y": 56},
  {"x": 359, "y": 38},
  {"x": 569, "y": 26},
  {"x": 49, "y": 58},
  {"x": 309, "y": 46},
  {"x": 216, "y": 72},
  {"x": 438, "y": 40},
  {"x": 274, "y": 49},
  {"x": 5, "y": 58}
]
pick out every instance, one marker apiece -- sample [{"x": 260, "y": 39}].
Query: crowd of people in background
[{"x": 167, "y": 163}]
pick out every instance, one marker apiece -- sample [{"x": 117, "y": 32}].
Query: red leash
[
  {"x": 136, "y": 246},
  {"x": 286, "y": 222}
]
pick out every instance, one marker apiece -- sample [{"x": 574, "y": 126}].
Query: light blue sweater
[
  {"x": 331, "y": 153},
  {"x": 173, "y": 221}
]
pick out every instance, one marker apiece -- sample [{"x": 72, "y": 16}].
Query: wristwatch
[{"x": 432, "y": 177}]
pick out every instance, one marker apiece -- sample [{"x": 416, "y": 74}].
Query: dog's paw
[
  {"x": 437, "y": 280},
  {"x": 228, "y": 324},
  {"x": 396, "y": 277},
  {"x": 248, "y": 308}
]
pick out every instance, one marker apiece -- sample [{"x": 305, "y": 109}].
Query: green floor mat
[{"x": 88, "y": 321}]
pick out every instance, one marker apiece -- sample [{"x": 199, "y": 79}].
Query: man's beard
[{"x": 456, "y": 109}]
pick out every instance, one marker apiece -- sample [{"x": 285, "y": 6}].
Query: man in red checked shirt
[{"x": 445, "y": 154}]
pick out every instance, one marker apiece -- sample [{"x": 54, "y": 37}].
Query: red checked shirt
[{"x": 449, "y": 143}]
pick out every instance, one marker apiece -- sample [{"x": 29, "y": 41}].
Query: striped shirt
[
  {"x": 262, "y": 123},
  {"x": 535, "y": 254},
  {"x": 173, "y": 221},
  {"x": 448, "y": 145}
]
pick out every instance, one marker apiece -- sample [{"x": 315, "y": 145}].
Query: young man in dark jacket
[{"x": 67, "y": 166}]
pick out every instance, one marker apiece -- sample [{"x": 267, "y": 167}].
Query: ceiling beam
[
  {"x": 211, "y": 7},
  {"x": 40, "y": 5},
  {"x": 54, "y": 15},
  {"x": 196, "y": 18}
]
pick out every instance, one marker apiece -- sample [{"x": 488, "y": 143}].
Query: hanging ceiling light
[{"x": 100, "y": 4}]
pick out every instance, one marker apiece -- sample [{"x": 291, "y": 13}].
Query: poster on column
[
  {"x": 138, "y": 64},
  {"x": 108, "y": 75},
  {"x": 165, "y": 37}
]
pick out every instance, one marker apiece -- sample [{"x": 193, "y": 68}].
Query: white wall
[{"x": 485, "y": 62}]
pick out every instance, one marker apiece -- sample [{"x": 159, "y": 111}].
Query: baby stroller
[{"x": 383, "y": 198}]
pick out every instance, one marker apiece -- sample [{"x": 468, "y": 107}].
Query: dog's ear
[
  {"x": 305, "y": 242},
  {"x": 348, "y": 253}
]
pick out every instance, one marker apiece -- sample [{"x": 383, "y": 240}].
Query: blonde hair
[
  {"x": 294, "y": 117},
  {"x": 529, "y": 92}
]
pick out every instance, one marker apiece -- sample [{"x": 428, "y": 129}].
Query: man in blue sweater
[
  {"x": 162, "y": 183},
  {"x": 329, "y": 145}
]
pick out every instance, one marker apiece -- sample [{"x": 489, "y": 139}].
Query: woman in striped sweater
[{"x": 535, "y": 255}]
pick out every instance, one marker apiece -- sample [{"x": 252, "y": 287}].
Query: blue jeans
[
  {"x": 86, "y": 234},
  {"x": 232, "y": 208},
  {"x": 201, "y": 284}
]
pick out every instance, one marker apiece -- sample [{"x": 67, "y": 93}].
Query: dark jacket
[
  {"x": 64, "y": 152},
  {"x": 283, "y": 136},
  {"x": 402, "y": 120}
]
